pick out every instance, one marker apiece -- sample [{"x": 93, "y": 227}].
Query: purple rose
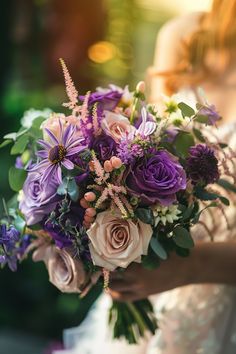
[
  {"x": 104, "y": 146},
  {"x": 39, "y": 198},
  {"x": 107, "y": 99},
  {"x": 156, "y": 178}
]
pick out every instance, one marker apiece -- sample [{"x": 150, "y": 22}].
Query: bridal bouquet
[{"x": 113, "y": 182}]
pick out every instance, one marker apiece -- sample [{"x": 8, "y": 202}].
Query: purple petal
[
  {"x": 52, "y": 136},
  {"x": 58, "y": 173},
  {"x": 75, "y": 142},
  {"x": 39, "y": 165},
  {"x": 42, "y": 153},
  {"x": 74, "y": 150},
  {"x": 61, "y": 130},
  {"x": 67, "y": 164},
  {"x": 49, "y": 170},
  {"x": 44, "y": 144},
  {"x": 67, "y": 135}
]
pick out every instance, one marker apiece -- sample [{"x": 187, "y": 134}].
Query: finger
[
  {"x": 124, "y": 296},
  {"x": 119, "y": 285}
]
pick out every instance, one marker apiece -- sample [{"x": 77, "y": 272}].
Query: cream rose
[
  {"x": 116, "y": 125},
  {"x": 52, "y": 123},
  {"x": 65, "y": 272},
  {"x": 116, "y": 242}
]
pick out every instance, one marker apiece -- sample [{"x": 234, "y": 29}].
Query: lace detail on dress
[{"x": 201, "y": 319}]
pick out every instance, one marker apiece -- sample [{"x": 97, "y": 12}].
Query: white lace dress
[{"x": 196, "y": 319}]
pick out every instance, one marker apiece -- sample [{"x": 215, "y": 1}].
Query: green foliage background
[{"x": 27, "y": 301}]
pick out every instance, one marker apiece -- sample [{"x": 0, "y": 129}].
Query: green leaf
[
  {"x": 151, "y": 261},
  {"x": 16, "y": 178},
  {"x": 182, "y": 237},
  {"x": 5, "y": 143},
  {"x": 188, "y": 212},
  {"x": 158, "y": 248},
  {"x": 19, "y": 223},
  {"x": 198, "y": 135},
  {"x": 145, "y": 215},
  {"x": 203, "y": 194},
  {"x": 183, "y": 142},
  {"x": 186, "y": 110},
  {"x": 11, "y": 136},
  {"x": 227, "y": 185},
  {"x": 73, "y": 190},
  {"x": 197, "y": 216},
  {"x": 20, "y": 145},
  {"x": 37, "y": 122},
  {"x": 201, "y": 119},
  {"x": 69, "y": 186},
  {"x": 62, "y": 189}
]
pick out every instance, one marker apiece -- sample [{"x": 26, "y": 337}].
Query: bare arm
[
  {"x": 208, "y": 263},
  {"x": 169, "y": 51}
]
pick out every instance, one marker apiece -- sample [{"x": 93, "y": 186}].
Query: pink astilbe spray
[
  {"x": 96, "y": 128},
  {"x": 102, "y": 176},
  {"x": 84, "y": 109},
  {"x": 71, "y": 91}
]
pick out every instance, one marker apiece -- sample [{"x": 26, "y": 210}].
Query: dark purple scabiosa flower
[
  {"x": 104, "y": 146},
  {"x": 211, "y": 113},
  {"x": 57, "y": 152},
  {"x": 202, "y": 165},
  {"x": 39, "y": 197},
  {"x": 107, "y": 99},
  {"x": 156, "y": 178}
]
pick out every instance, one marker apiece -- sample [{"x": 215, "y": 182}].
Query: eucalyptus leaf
[
  {"x": 16, "y": 178},
  {"x": 19, "y": 223},
  {"x": 151, "y": 261},
  {"x": 198, "y": 135},
  {"x": 203, "y": 194},
  {"x": 200, "y": 118},
  {"x": 158, "y": 248},
  {"x": 73, "y": 190},
  {"x": 197, "y": 216},
  {"x": 62, "y": 189},
  {"x": 186, "y": 110},
  {"x": 183, "y": 142},
  {"x": 227, "y": 185},
  {"x": 182, "y": 237},
  {"x": 20, "y": 145},
  {"x": 145, "y": 215},
  {"x": 188, "y": 212}
]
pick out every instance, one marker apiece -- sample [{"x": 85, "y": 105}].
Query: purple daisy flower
[
  {"x": 57, "y": 152},
  {"x": 202, "y": 165}
]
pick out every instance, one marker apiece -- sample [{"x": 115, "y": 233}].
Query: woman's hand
[
  {"x": 207, "y": 263},
  {"x": 136, "y": 282}
]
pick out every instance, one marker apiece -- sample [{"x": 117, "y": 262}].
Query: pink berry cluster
[{"x": 89, "y": 197}]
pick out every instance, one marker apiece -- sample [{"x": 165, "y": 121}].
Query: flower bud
[{"x": 141, "y": 87}]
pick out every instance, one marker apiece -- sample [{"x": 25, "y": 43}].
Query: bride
[{"x": 196, "y": 307}]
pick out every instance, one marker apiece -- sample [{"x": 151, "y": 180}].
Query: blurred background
[{"x": 102, "y": 42}]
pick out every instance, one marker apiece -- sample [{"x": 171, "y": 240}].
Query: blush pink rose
[
  {"x": 116, "y": 125},
  {"x": 116, "y": 242},
  {"x": 65, "y": 272},
  {"x": 52, "y": 123}
]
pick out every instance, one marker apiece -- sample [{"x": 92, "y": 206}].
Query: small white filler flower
[{"x": 165, "y": 214}]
